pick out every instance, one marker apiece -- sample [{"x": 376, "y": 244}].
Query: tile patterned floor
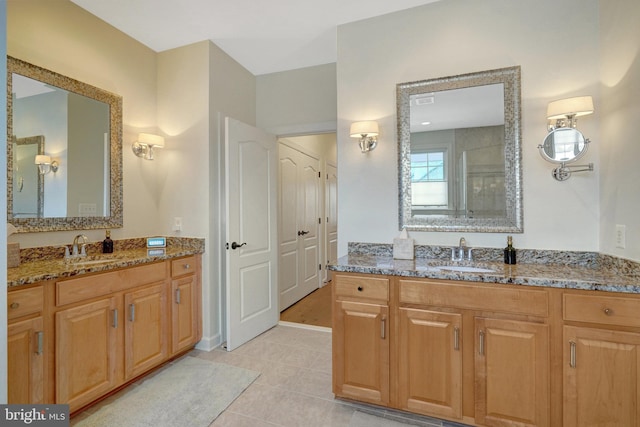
[{"x": 294, "y": 388}]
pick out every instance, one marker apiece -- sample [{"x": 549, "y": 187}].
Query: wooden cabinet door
[
  {"x": 184, "y": 312},
  {"x": 25, "y": 358},
  {"x": 86, "y": 351},
  {"x": 430, "y": 362},
  {"x": 146, "y": 336},
  {"x": 601, "y": 369},
  {"x": 512, "y": 373},
  {"x": 361, "y": 351}
]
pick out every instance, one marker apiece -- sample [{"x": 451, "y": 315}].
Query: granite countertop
[
  {"x": 598, "y": 276},
  {"x": 48, "y": 263}
]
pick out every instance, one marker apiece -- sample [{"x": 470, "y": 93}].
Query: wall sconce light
[
  {"x": 45, "y": 164},
  {"x": 564, "y": 143},
  {"x": 367, "y": 133},
  {"x": 145, "y": 144}
]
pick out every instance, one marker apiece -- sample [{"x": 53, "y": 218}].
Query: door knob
[
  {"x": 235, "y": 245},
  {"x": 302, "y": 233}
]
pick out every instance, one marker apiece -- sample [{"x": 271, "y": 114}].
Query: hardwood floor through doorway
[{"x": 314, "y": 309}]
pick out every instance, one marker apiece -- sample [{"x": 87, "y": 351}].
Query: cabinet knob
[
  {"x": 14, "y": 305},
  {"x": 187, "y": 266},
  {"x": 608, "y": 311},
  {"x": 360, "y": 288}
]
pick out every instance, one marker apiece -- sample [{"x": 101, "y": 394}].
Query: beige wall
[
  {"x": 619, "y": 113},
  {"x": 558, "y": 54},
  {"x": 297, "y": 102}
]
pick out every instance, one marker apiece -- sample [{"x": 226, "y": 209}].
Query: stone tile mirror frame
[
  {"x": 512, "y": 221},
  {"x": 114, "y": 102}
]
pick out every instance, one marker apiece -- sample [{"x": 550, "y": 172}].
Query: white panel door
[
  {"x": 299, "y": 226},
  {"x": 331, "y": 208},
  {"x": 251, "y": 232}
]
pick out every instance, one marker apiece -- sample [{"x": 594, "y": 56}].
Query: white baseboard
[
  {"x": 304, "y": 326},
  {"x": 210, "y": 343}
]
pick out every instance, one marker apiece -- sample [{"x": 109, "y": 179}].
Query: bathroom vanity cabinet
[
  {"x": 486, "y": 354},
  {"x": 109, "y": 327}
]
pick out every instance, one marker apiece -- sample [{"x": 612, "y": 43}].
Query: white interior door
[
  {"x": 331, "y": 207},
  {"x": 299, "y": 225},
  {"x": 251, "y": 232}
]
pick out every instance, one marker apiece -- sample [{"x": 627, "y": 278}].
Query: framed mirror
[
  {"x": 79, "y": 127},
  {"x": 459, "y": 153}
]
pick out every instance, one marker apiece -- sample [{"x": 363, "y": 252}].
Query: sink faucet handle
[
  {"x": 66, "y": 251},
  {"x": 83, "y": 250},
  {"x": 469, "y": 254}
]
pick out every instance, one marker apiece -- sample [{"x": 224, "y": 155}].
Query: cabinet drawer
[
  {"x": 362, "y": 287},
  {"x": 96, "y": 285},
  {"x": 25, "y": 301},
  {"x": 600, "y": 309},
  {"x": 474, "y": 297},
  {"x": 182, "y": 266}
]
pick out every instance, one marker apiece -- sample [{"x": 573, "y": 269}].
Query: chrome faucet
[
  {"x": 74, "y": 248},
  {"x": 458, "y": 253}
]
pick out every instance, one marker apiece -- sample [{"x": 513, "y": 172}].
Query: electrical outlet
[
  {"x": 621, "y": 236},
  {"x": 177, "y": 223}
]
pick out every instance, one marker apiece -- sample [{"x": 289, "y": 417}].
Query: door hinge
[
  {"x": 319, "y": 267},
  {"x": 319, "y": 220},
  {"x": 318, "y": 174}
]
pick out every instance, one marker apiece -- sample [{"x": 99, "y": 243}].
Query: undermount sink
[{"x": 466, "y": 269}]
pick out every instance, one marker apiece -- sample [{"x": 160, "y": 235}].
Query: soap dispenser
[
  {"x": 509, "y": 252},
  {"x": 107, "y": 244}
]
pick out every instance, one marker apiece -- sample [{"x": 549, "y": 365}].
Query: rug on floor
[{"x": 191, "y": 392}]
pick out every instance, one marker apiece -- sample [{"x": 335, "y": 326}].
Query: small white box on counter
[{"x": 403, "y": 246}]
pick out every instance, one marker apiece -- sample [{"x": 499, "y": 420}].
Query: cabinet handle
[
  {"x": 132, "y": 312},
  {"x": 383, "y": 327},
  {"x": 14, "y": 305},
  {"x": 115, "y": 318},
  {"x": 186, "y": 266},
  {"x": 360, "y": 288},
  {"x": 481, "y": 334},
  {"x": 572, "y": 354},
  {"x": 608, "y": 311},
  {"x": 178, "y": 296},
  {"x": 39, "y": 342},
  {"x": 456, "y": 338}
]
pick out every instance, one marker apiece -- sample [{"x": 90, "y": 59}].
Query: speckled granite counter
[
  {"x": 558, "y": 269},
  {"x": 47, "y": 263}
]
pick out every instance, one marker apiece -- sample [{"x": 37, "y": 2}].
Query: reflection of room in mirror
[{"x": 27, "y": 181}]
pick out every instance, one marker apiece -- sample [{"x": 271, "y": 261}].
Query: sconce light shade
[
  {"x": 45, "y": 164},
  {"x": 570, "y": 107},
  {"x": 360, "y": 129},
  {"x": 145, "y": 144},
  {"x": 367, "y": 132}
]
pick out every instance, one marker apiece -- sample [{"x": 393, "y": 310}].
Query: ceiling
[{"x": 263, "y": 36}]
